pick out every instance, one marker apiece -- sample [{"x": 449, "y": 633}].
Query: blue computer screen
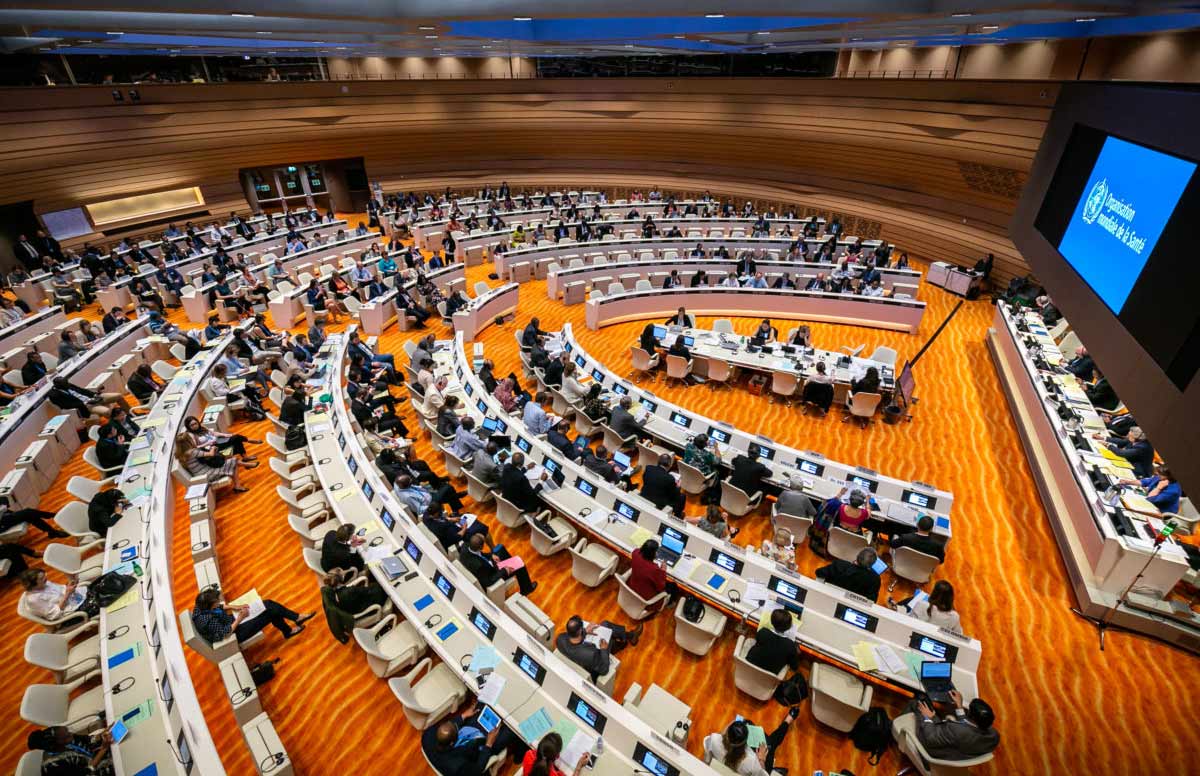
[{"x": 1127, "y": 201}]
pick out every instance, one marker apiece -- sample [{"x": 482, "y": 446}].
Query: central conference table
[
  {"x": 456, "y": 618},
  {"x": 876, "y": 312}
]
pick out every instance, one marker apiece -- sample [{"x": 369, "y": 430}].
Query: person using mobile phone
[{"x": 463, "y": 745}]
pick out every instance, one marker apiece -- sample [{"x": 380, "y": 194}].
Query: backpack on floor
[
  {"x": 791, "y": 692},
  {"x": 872, "y": 733}
]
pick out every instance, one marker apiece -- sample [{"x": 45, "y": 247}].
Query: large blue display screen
[{"x": 1126, "y": 203}]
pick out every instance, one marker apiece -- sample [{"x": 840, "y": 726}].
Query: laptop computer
[
  {"x": 671, "y": 548},
  {"x": 621, "y": 461},
  {"x": 393, "y": 567},
  {"x": 935, "y": 678}
]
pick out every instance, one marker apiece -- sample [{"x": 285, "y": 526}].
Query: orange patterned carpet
[{"x": 1062, "y": 705}]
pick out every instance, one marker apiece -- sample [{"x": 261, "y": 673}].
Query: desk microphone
[{"x": 744, "y": 625}]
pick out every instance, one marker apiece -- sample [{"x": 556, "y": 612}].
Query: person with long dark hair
[
  {"x": 732, "y": 750},
  {"x": 540, "y": 761}
]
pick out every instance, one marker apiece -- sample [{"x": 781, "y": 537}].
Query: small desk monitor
[
  {"x": 586, "y": 712},
  {"x": 482, "y": 623},
  {"x": 532, "y": 668}
]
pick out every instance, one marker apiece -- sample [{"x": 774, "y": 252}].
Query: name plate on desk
[{"x": 857, "y": 598}]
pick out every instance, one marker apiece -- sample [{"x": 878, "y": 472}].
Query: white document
[
  {"x": 888, "y": 660},
  {"x": 685, "y": 566},
  {"x": 490, "y": 692},
  {"x": 756, "y": 592},
  {"x": 602, "y": 633},
  {"x": 196, "y": 491},
  {"x": 534, "y": 474},
  {"x": 320, "y": 428},
  {"x": 580, "y": 744},
  {"x": 375, "y": 554}
]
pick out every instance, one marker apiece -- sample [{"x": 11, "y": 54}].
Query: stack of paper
[
  {"x": 602, "y": 634},
  {"x": 865, "y": 655},
  {"x": 640, "y": 536},
  {"x": 493, "y": 685},
  {"x": 484, "y": 658},
  {"x": 756, "y": 592},
  {"x": 535, "y": 725},
  {"x": 888, "y": 660}
]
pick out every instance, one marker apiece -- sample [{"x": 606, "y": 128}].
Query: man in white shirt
[
  {"x": 434, "y": 398},
  {"x": 536, "y": 419}
]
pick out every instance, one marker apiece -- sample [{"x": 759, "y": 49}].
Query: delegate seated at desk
[
  {"x": 460, "y": 746},
  {"x": 920, "y": 540},
  {"x": 594, "y": 657},
  {"x": 622, "y": 421},
  {"x": 338, "y": 549},
  {"x": 660, "y": 488},
  {"x": 516, "y": 488},
  {"x": 482, "y": 564},
  {"x": 749, "y": 473},
  {"x": 775, "y": 644},
  {"x": 968, "y": 734},
  {"x": 1135, "y": 448},
  {"x": 1162, "y": 490},
  {"x": 680, "y": 318},
  {"x": 857, "y": 577}
]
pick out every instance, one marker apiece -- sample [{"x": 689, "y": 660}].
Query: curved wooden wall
[{"x": 939, "y": 164}]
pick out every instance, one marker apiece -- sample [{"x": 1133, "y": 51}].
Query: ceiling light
[
  {"x": 714, "y": 16},
  {"x": 430, "y": 37},
  {"x": 243, "y": 15},
  {"x": 762, "y": 32},
  {"x": 522, "y": 18},
  {"x": 1086, "y": 20},
  {"x": 705, "y": 40},
  {"x": 960, "y": 15},
  {"x": 261, "y": 32},
  {"x": 114, "y": 33},
  {"x": 990, "y": 27},
  {"x": 426, "y": 27},
  {"x": 679, "y": 37},
  {"x": 853, "y": 39}
]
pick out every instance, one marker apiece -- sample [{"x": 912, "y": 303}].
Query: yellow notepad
[
  {"x": 640, "y": 536},
  {"x": 865, "y": 655}
]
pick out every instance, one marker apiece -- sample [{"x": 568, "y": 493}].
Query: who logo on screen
[{"x": 1095, "y": 201}]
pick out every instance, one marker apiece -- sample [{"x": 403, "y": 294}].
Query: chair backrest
[
  {"x": 640, "y": 359},
  {"x": 481, "y": 288},
  {"x": 83, "y": 488},
  {"x": 864, "y": 404},
  {"x": 643, "y": 285},
  {"x": 846, "y": 544},
  {"x": 734, "y": 499},
  {"x": 677, "y": 366},
  {"x": 913, "y": 565},
  {"x": 187, "y": 630},
  {"x": 783, "y": 383},
  {"x": 594, "y": 294},
  {"x": 719, "y": 370},
  {"x": 723, "y": 325},
  {"x": 884, "y": 354},
  {"x": 163, "y": 370},
  {"x": 691, "y": 480},
  {"x": 73, "y": 518},
  {"x": 31, "y": 763}
]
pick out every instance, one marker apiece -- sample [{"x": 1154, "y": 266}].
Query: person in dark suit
[
  {"x": 672, "y": 280},
  {"x": 557, "y": 436},
  {"x": 746, "y": 266},
  {"x": 1133, "y": 447},
  {"x": 773, "y": 647},
  {"x": 857, "y": 577},
  {"x": 337, "y": 549},
  {"x": 681, "y": 318},
  {"x": 1082, "y": 366},
  {"x": 110, "y": 451},
  {"x": 531, "y": 333},
  {"x": 460, "y": 746},
  {"x": 48, "y": 246},
  {"x": 446, "y": 529},
  {"x": 678, "y": 348},
  {"x": 622, "y": 421},
  {"x": 27, "y": 253},
  {"x": 515, "y": 487},
  {"x": 143, "y": 384},
  {"x": 113, "y": 320},
  {"x": 660, "y": 488},
  {"x": 105, "y": 510},
  {"x": 553, "y": 373},
  {"x": 969, "y": 733},
  {"x": 482, "y": 564},
  {"x": 749, "y": 473},
  {"x": 293, "y": 408},
  {"x": 921, "y": 540},
  {"x": 33, "y": 369}
]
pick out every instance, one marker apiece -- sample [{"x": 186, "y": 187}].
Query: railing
[{"x": 928, "y": 74}]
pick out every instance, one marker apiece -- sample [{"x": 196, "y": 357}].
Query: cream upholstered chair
[
  {"x": 784, "y": 385},
  {"x": 542, "y": 541},
  {"x": 508, "y": 514},
  {"x": 718, "y": 372},
  {"x": 678, "y": 368},
  {"x": 862, "y": 407},
  {"x": 904, "y": 730},
  {"x": 312, "y": 530},
  {"x": 635, "y": 606},
  {"x": 73, "y": 518},
  {"x": 751, "y": 679},
  {"x": 68, "y": 661},
  {"x": 592, "y": 563},
  {"x": 885, "y": 355},
  {"x": 85, "y": 489},
  {"x": 738, "y": 502},
  {"x": 838, "y": 698},
  {"x": 530, "y": 617},
  {"x": 723, "y": 326},
  {"x": 912, "y": 565},
  {"x": 479, "y": 493},
  {"x": 69, "y": 624},
  {"x": 698, "y": 637},
  {"x": 31, "y": 763},
  {"x": 58, "y": 704},
  {"x": 89, "y": 457},
  {"x": 797, "y": 526},
  {"x": 692, "y": 481},
  {"x": 74, "y": 561},
  {"x": 845, "y": 544},
  {"x": 643, "y": 362},
  {"x": 390, "y": 645},
  {"x": 428, "y": 693},
  {"x": 499, "y": 589}
]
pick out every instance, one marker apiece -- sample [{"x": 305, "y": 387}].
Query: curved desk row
[
  {"x": 535, "y": 679},
  {"x": 875, "y": 312},
  {"x": 831, "y": 620},
  {"x": 673, "y": 425},
  {"x": 378, "y": 314},
  {"x": 32, "y": 327},
  {"x": 558, "y": 281},
  {"x": 645, "y": 249},
  {"x": 36, "y": 438},
  {"x": 156, "y": 688},
  {"x": 483, "y": 310}
]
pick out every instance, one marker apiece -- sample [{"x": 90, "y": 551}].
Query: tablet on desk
[
  {"x": 879, "y": 566},
  {"x": 488, "y": 719},
  {"x": 119, "y": 732},
  {"x": 716, "y": 581}
]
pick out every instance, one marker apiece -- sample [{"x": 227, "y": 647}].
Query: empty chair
[
  {"x": 643, "y": 285},
  {"x": 74, "y": 561},
  {"x": 678, "y": 368},
  {"x": 751, "y": 679},
  {"x": 643, "y": 362},
  {"x": 723, "y": 326},
  {"x": 56, "y": 652},
  {"x": 295, "y": 474},
  {"x": 885, "y": 355},
  {"x": 592, "y": 563},
  {"x": 31, "y": 763},
  {"x": 308, "y": 507},
  {"x": 862, "y": 408},
  {"x": 163, "y": 370},
  {"x": 481, "y": 288},
  {"x": 845, "y": 544},
  {"x": 634, "y": 605},
  {"x": 479, "y": 493},
  {"x": 738, "y": 502},
  {"x": 719, "y": 373},
  {"x": 698, "y": 637},
  {"x": 853, "y": 351},
  {"x": 615, "y": 288},
  {"x": 73, "y": 518},
  {"x": 508, "y": 514},
  {"x": 312, "y": 530},
  {"x": 428, "y": 693},
  {"x": 53, "y": 704},
  {"x": 584, "y": 425},
  {"x": 530, "y": 617},
  {"x": 838, "y": 698},
  {"x": 784, "y": 385},
  {"x": 551, "y": 535},
  {"x": 912, "y": 565}
]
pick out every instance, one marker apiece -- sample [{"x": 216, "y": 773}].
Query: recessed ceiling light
[
  {"x": 714, "y": 16},
  {"x": 853, "y": 39},
  {"x": 426, "y": 27},
  {"x": 679, "y": 37},
  {"x": 430, "y": 37},
  {"x": 522, "y": 18},
  {"x": 243, "y": 15},
  {"x": 1086, "y": 20},
  {"x": 486, "y": 47},
  {"x": 990, "y": 27},
  {"x": 960, "y": 15},
  {"x": 705, "y": 40},
  {"x": 114, "y": 33},
  {"x": 263, "y": 32},
  {"x": 628, "y": 45}
]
